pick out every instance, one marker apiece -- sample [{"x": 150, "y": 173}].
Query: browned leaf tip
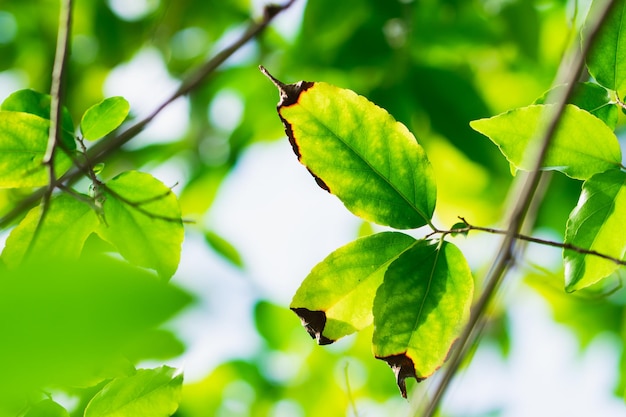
[
  {"x": 289, "y": 93},
  {"x": 313, "y": 322},
  {"x": 403, "y": 367}
]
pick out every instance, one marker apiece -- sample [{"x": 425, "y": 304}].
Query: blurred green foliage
[{"x": 433, "y": 64}]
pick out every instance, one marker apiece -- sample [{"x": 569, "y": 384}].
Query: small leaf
[
  {"x": 336, "y": 298},
  {"x": 61, "y": 235},
  {"x": 606, "y": 60},
  {"x": 148, "y": 393},
  {"x": 143, "y": 221},
  {"x": 592, "y": 225},
  {"x": 101, "y": 119},
  {"x": 359, "y": 152},
  {"x": 30, "y": 101},
  {"x": 223, "y": 248},
  {"x": 460, "y": 228},
  {"x": 23, "y": 143},
  {"x": 590, "y": 97},
  {"x": 420, "y": 309},
  {"x": 582, "y": 146},
  {"x": 47, "y": 408}
]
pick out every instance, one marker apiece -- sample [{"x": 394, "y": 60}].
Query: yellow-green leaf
[
  {"x": 420, "y": 309},
  {"x": 360, "y": 153},
  {"x": 142, "y": 220},
  {"x": 595, "y": 224}
]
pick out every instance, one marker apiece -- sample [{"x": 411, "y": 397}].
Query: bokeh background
[{"x": 260, "y": 222}]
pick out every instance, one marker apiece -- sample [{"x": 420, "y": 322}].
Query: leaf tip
[
  {"x": 289, "y": 93},
  {"x": 403, "y": 367},
  {"x": 314, "y": 323}
]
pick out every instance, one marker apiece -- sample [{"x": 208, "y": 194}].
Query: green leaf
[
  {"x": 606, "y": 60},
  {"x": 64, "y": 323},
  {"x": 47, "y": 408},
  {"x": 223, "y": 248},
  {"x": 101, "y": 119},
  {"x": 594, "y": 224},
  {"x": 336, "y": 298},
  {"x": 148, "y": 393},
  {"x": 30, "y": 101},
  {"x": 590, "y": 97},
  {"x": 143, "y": 221},
  {"x": 62, "y": 234},
  {"x": 360, "y": 153},
  {"x": 420, "y": 309},
  {"x": 582, "y": 146},
  {"x": 23, "y": 143}
]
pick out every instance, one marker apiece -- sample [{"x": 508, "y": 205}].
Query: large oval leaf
[
  {"x": 606, "y": 60},
  {"x": 23, "y": 143},
  {"x": 143, "y": 220},
  {"x": 420, "y": 309},
  {"x": 582, "y": 146},
  {"x": 596, "y": 224},
  {"x": 61, "y": 235},
  {"x": 336, "y": 298},
  {"x": 148, "y": 393},
  {"x": 360, "y": 153}
]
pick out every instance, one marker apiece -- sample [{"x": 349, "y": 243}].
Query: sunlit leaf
[
  {"x": 420, "y": 309},
  {"x": 142, "y": 220},
  {"x": 148, "y": 393},
  {"x": 593, "y": 225},
  {"x": 582, "y": 146},
  {"x": 33, "y": 102},
  {"x": 66, "y": 322},
  {"x": 336, "y": 298},
  {"x": 47, "y": 408},
  {"x": 360, "y": 153},
  {"x": 101, "y": 119},
  {"x": 590, "y": 97},
  {"x": 61, "y": 235},
  {"x": 23, "y": 144},
  {"x": 606, "y": 60}
]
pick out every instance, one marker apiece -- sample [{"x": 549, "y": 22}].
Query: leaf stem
[{"x": 568, "y": 74}]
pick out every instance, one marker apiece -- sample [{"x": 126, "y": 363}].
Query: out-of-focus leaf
[
  {"x": 65, "y": 322},
  {"x": 606, "y": 60},
  {"x": 420, "y": 309},
  {"x": 594, "y": 225},
  {"x": 142, "y": 220},
  {"x": 336, "y": 298},
  {"x": 148, "y": 393},
  {"x": 47, "y": 408},
  {"x": 61, "y": 235},
  {"x": 590, "y": 97},
  {"x": 224, "y": 248},
  {"x": 33, "y": 102},
  {"x": 101, "y": 119},
  {"x": 360, "y": 153},
  {"x": 23, "y": 144},
  {"x": 571, "y": 150},
  {"x": 154, "y": 344}
]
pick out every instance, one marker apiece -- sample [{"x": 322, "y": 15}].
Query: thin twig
[
  {"x": 57, "y": 90},
  {"x": 104, "y": 148},
  {"x": 545, "y": 242},
  {"x": 568, "y": 75}
]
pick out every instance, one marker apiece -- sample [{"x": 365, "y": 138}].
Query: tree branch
[
  {"x": 568, "y": 73},
  {"x": 104, "y": 148},
  {"x": 57, "y": 90}
]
